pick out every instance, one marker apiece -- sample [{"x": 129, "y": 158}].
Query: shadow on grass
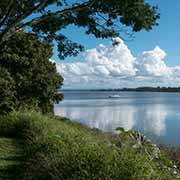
[{"x": 9, "y": 159}]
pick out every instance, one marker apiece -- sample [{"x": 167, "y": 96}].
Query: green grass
[
  {"x": 9, "y": 158},
  {"x": 38, "y": 147}
]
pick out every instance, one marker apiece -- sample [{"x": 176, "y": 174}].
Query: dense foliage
[
  {"x": 27, "y": 77},
  {"x": 7, "y": 91},
  {"x": 54, "y": 149},
  {"x": 102, "y": 18}
]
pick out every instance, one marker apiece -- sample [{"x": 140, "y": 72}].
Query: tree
[
  {"x": 7, "y": 92},
  {"x": 102, "y": 18},
  {"x": 27, "y": 77}
]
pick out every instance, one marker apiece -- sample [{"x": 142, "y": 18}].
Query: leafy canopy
[
  {"x": 7, "y": 92},
  {"x": 47, "y": 19},
  {"x": 27, "y": 77}
]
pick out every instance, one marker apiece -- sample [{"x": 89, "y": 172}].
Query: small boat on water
[{"x": 114, "y": 96}]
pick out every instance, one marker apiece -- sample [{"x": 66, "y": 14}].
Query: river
[{"x": 156, "y": 115}]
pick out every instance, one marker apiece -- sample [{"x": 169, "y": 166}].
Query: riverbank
[{"x": 34, "y": 146}]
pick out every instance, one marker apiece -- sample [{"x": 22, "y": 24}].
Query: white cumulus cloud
[
  {"x": 151, "y": 63},
  {"x": 115, "y": 66}
]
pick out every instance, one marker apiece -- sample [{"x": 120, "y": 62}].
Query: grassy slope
[
  {"x": 59, "y": 149},
  {"x": 9, "y": 157}
]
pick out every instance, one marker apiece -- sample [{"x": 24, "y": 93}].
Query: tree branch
[
  {"x": 36, "y": 8},
  {"x": 21, "y": 17},
  {"x": 42, "y": 18},
  {"x": 9, "y": 11}
]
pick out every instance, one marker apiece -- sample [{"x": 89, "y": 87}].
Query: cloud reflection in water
[{"x": 149, "y": 118}]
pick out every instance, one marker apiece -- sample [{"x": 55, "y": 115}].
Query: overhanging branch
[
  {"x": 42, "y": 18},
  {"x": 21, "y": 17},
  {"x": 9, "y": 11}
]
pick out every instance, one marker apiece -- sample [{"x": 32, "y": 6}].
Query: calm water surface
[{"x": 157, "y": 115}]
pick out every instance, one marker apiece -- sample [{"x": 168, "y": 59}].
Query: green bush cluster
[
  {"x": 55, "y": 149},
  {"x": 27, "y": 77},
  {"x": 7, "y": 92}
]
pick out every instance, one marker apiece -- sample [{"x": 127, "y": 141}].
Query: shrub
[
  {"x": 24, "y": 125},
  {"x": 7, "y": 92},
  {"x": 35, "y": 79}
]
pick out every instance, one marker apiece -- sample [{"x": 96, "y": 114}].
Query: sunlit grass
[{"x": 45, "y": 147}]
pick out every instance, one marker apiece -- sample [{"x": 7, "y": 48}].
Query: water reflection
[
  {"x": 156, "y": 115},
  {"x": 149, "y": 118},
  {"x": 152, "y": 119}
]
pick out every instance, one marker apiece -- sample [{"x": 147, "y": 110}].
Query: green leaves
[
  {"x": 67, "y": 48},
  {"x": 28, "y": 77},
  {"x": 120, "y": 129},
  {"x": 7, "y": 92},
  {"x": 102, "y": 18},
  {"x": 124, "y": 133}
]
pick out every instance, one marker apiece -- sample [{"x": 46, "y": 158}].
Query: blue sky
[
  {"x": 166, "y": 35},
  {"x": 149, "y": 59}
]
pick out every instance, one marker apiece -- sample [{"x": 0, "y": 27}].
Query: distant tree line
[
  {"x": 138, "y": 89},
  {"x": 153, "y": 89}
]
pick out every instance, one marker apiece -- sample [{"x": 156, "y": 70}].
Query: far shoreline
[{"x": 138, "y": 89}]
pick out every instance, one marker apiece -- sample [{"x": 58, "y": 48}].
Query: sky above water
[{"x": 148, "y": 59}]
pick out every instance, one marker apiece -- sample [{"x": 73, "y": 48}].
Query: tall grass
[{"x": 55, "y": 149}]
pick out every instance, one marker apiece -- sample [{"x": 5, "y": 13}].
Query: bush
[
  {"x": 54, "y": 149},
  {"x": 36, "y": 82},
  {"x": 24, "y": 125},
  {"x": 7, "y": 92}
]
